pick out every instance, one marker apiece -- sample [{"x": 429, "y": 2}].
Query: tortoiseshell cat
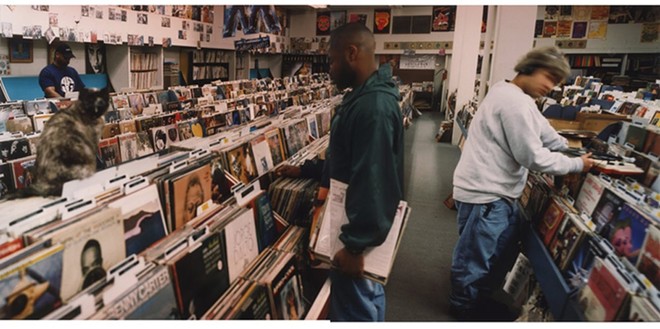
[{"x": 69, "y": 142}]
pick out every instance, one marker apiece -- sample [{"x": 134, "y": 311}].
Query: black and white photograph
[
  {"x": 165, "y": 22},
  {"x": 142, "y": 18}
]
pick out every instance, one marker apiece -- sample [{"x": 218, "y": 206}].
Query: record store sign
[
  {"x": 252, "y": 44},
  {"x": 417, "y": 62}
]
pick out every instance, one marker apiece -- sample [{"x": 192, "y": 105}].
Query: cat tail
[{"x": 28, "y": 192}]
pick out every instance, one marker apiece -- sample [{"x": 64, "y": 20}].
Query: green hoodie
[{"x": 366, "y": 152}]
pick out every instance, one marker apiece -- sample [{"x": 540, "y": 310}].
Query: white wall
[
  {"x": 514, "y": 37},
  {"x": 463, "y": 70}
]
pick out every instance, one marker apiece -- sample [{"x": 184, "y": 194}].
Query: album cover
[
  {"x": 607, "y": 209},
  {"x": 241, "y": 163},
  {"x": 14, "y": 149},
  {"x": 185, "y": 130},
  {"x": 159, "y": 138},
  {"x": 24, "y": 171},
  {"x": 201, "y": 276},
  {"x": 172, "y": 134},
  {"x": 265, "y": 222},
  {"x": 627, "y": 231},
  {"x": 312, "y": 127},
  {"x": 91, "y": 246},
  {"x": 127, "y": 126},
  {"x": 242, "y": 245},
  {"x": 20, "y": 124},
  {"x": 109, "y": 152},
  {"x": 152, "y": 298},
  {"x": 6, "y": 179},
  {"x": 144, "y": 146},
  {"x": 551, "y": 220},
  {"x": 590, "y": 194},
  {"x": 136, "y": 102},
  {"x": 30, "y": 289},
  {"x": 189, "y": 191},
  {"x": 120, "y": 101},
  {"x": 142, "y": 218},
  {"x": 110, "y": 130},
  {"x": 128, "y": 146},
  {"x": 263, "y": 159}
]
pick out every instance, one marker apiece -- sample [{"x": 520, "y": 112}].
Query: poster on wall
[
  {"x": 649, "y": 32},
  {"x": 581, "y": 13},
  {"x": 7, "y": 31},
  {"x": 207, "y": 14},
  {"x": 444, "y": 18},
  {"x": 5, "y": 69},
  {"x": 597, "y": 30},
  {"x": 337, "y": 19},
  {"x": 564, "y": 29},
  {"x": 551, "y": 13},
  {"x": 538, "y": 28},
  {"x": 323, "y": 23},
  {"x": 382, "y": 21},
  {"x": 599, "y": 13},
  {"x": 565, "y": 13},
  {"x": 360, "y": 18},
  {"x": 579, "y": 30},
  {"x": 549, "y": 29},
  {"x": 262, "y": 18},
  {"x": 619, "y": 15},
  {"x": 235, "y": 17}
]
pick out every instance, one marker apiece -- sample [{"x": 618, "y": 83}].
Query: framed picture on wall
[{"x": 20, "y": 50}]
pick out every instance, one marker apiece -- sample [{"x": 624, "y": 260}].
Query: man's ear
[{"x": 352, "y": 52}]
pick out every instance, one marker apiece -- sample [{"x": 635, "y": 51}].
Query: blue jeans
[
  {"x": 485, "y": 251},
  {"x": 355, "y": 299}
]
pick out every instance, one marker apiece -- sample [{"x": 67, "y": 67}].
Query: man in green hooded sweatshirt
[{"x": 366, "y": 153}]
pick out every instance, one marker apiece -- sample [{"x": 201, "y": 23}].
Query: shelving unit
[
  {"x": 207, "y": 65},
  {"x": 145, "y": 67},
  {"x": 604, "y": 66},
  {"x": 319, "y": 63},
  {"x": 557, "y": 292}
]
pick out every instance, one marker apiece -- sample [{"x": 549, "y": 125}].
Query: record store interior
[{"x": 330, "y": 162}]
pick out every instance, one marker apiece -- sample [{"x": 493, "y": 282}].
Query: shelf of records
[
  {"x": 142, "y": 61},
  {"x": 206, "y": 56},
  {"x": 589, "y": 94},
  {"x": 192, "y": 248},
  {"x": 135, "y": 127},
  {"x": 596, "y": 257},
  {"x": 219, "y": 71},
  {"x": 116, "y": 259}
]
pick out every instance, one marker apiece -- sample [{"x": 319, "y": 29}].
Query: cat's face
[{"x": 94, "y": 101}]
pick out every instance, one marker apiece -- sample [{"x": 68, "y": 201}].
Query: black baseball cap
[{"x": 65, "y": 50}]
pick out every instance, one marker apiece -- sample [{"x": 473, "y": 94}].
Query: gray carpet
[{"x": 418, "y": 287}]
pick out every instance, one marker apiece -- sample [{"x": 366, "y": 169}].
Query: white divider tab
[
  {"x": 175, "y": 249},
  {"x": 77, "y": 208},
  {"x": 135, "y": 184},
  {"x": 244, "y": 195},
  {"x": 124, "y": 276},
  {"x": 118, "y": 181},
  {"x": 176, "y": 166}
]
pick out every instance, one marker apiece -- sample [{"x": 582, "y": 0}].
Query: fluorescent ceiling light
[{"x": 319, "y": 6}]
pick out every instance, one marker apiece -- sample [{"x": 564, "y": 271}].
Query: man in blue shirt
[{"x": 59, "y": 78}]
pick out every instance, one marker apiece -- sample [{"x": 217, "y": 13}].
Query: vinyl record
[{"x": 160, "y": 140}]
